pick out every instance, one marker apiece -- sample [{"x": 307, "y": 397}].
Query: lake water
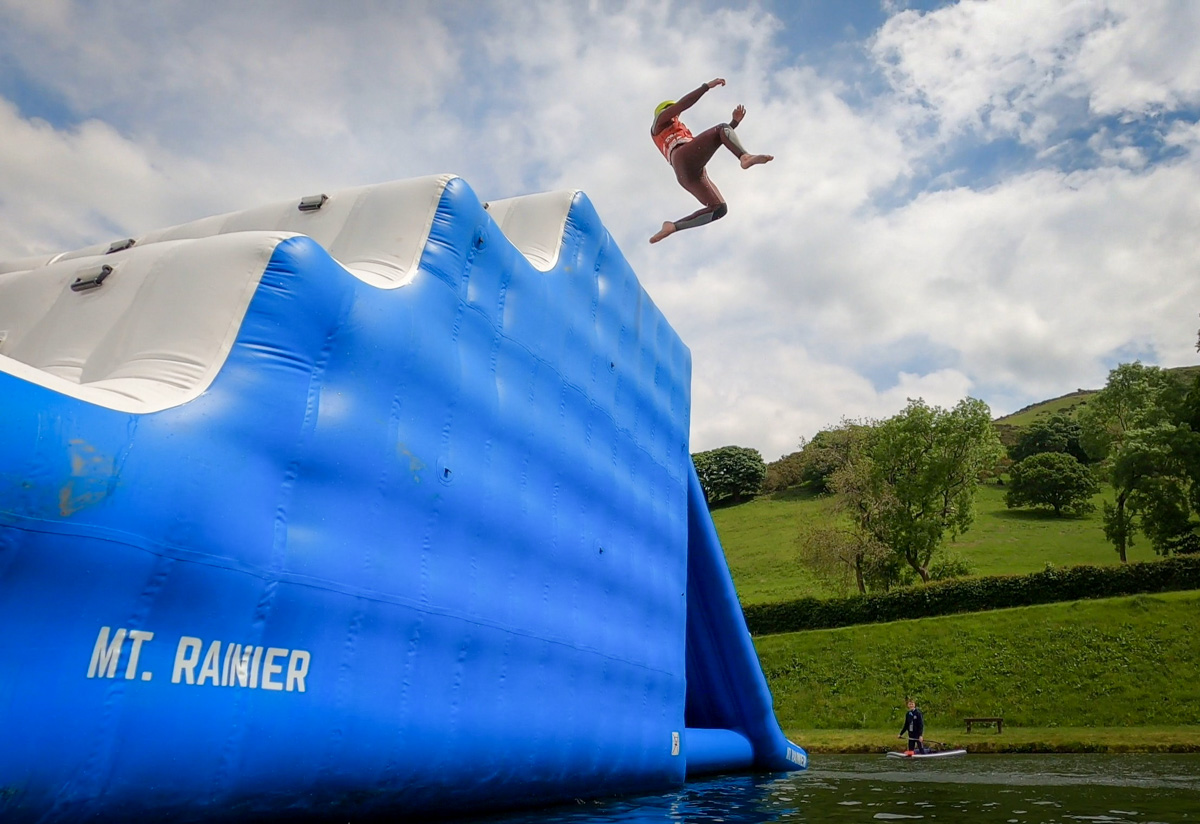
[{"x": 999, "y": 789}]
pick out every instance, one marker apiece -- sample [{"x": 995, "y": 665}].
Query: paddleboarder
[
  {"x": 914, "y": 725},
  {"x": 689, "y": 154}
]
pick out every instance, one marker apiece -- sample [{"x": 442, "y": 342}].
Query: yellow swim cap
[{"x": 661, "y": 106}]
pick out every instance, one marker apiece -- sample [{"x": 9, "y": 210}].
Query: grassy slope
[
  {"x": 1107, "y": 663},
  {"x": 1012, "y": 739},
  {"x": 1066, "y": 405},
  {"x": 1070, "y": 404},
  {"x": 759, "y": 539}
]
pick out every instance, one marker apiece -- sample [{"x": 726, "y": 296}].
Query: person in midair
[{"x": 688, "y": 155}]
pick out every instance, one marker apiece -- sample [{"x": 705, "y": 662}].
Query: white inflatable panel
[
  {"x": 21, "y": 264},
  {"x": 534, "y": 224},
  {"x": 377, "y": 232},
  {"x": 153, "y": 335}
]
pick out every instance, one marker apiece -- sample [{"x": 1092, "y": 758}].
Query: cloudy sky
[{"x": 995, "y": 199}]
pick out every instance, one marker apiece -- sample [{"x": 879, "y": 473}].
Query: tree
[
  {"x": 1158, "y": 468},
  {"x": 783, "y": 473},
  {"x": 1053, "y": 479},
  {"x": 836, "y": 553},
  {"x": 1134, "y": 397},
  {"x": 911, "y": 479},
  {"x": 1057, "y": 433},
  {"x": 826, "y": 453},
  {"x": 730, "y": 474},
  {"x": 817, "y": 460},
  {"x": 1123, "y": 427}
]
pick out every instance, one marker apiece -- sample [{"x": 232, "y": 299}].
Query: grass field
[
  {"x": 1013, "y": 739},
  {"x": 759, "y": 538},
  {"x": 1119, "y": 662}
]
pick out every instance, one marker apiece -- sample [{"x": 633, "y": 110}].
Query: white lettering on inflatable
[
  {"x": 138, "y": 636},
  {"x": 225, "y": 667},
  {"x": 297, "y": 669},
  {"x": 797, "y": 758},
  {"x": 184, "y": 662},
  {"x": 271, "y": 668},
  {"x": 211, "y": 669},
  {"x": 221, "y": 663},
  {"x": 241, "y": 667},
  {"x": 105, "y": 655},
  {"x": 254, "y": 667}
]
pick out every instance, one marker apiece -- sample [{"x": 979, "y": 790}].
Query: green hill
[
  {"x": 1072, "y": 402},
  {"x": 1067, "y": 404},
  {"x": 760, "y": 536},
  {"x": 1106, "y": 663},
  {"x": 760, "y": 542}
]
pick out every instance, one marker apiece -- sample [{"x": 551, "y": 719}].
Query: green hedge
[{"x": 976, "y": 595}]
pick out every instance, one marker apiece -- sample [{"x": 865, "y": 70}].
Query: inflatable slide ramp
[{"x": 377, "y": 501}]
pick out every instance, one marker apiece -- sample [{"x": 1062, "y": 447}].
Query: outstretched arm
[{"x": 683, "y": 104}]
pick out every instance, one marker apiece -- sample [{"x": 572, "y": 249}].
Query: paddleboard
[{"x": 942, "y": 754}]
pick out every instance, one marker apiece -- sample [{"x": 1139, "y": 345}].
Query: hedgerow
[{"x": 976, "y": 595}]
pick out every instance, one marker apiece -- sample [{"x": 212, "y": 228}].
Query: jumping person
[
  {"x": 914, "y": 725},
  {"x": 688, "y": 154}
]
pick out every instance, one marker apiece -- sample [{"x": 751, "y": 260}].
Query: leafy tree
[
  {"x": 946, "y": 567},
  {"x": 817, "y": 460},
  {"x": 837, "y": 553},
  {"x": 730, "y": 474},
  {"x": 911, "y": 479},
  {"x": 1057, "y": 433},
  {"x": 826, "y": 453},
  {"x": 1124, "y": 426},
  {"x": 1135, "y": 397},
  {"x": 783, "y": 473},
  {"x": 1053, "y": 479},
  {"x": 1158, "y": 467},
  {"x": 1179, "y": 533}
]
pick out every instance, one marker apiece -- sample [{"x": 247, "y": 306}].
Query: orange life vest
[{"x": 670, "y": 137}]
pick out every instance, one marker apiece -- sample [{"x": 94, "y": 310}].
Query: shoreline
[{"x": 1110, "y": 740}]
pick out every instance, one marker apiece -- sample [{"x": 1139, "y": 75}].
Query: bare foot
[
  {"x": 749, "y": 160},
  {"x": 668, "y": 228}
]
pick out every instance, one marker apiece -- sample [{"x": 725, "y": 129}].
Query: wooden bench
[{"x": 986, "y": 721}]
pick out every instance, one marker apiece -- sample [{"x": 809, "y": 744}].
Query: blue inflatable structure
[{"x": 371, "y": 503}]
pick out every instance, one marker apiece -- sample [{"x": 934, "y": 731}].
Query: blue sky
[{"x": 997, "y": 199}]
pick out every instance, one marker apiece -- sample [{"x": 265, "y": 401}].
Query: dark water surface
[{"x": 992, "y": 789}]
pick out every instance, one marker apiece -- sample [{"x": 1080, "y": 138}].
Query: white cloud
[{"x": 1015, "y": 66}]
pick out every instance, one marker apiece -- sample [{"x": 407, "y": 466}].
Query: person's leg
[
  {"x": 701, "y": 188},
  {"x": 689, "y": 159},
  {"x": 695, "y": 154}
]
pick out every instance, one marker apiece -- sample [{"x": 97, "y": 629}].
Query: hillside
[
  {"x": 1070, "y": 403},
  {"x": 1114, "y": 662},
  {"x": 759, "y": 538}
]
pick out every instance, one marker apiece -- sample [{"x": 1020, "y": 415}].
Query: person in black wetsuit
[
  {"x": 914, "y": 725},
  {"x": 689, "y": 154}
]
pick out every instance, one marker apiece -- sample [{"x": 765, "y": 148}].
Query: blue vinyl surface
[{"x": 419, "y": 550}]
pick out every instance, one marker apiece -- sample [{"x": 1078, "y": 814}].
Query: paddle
[{"x": 939, "y": 744}]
